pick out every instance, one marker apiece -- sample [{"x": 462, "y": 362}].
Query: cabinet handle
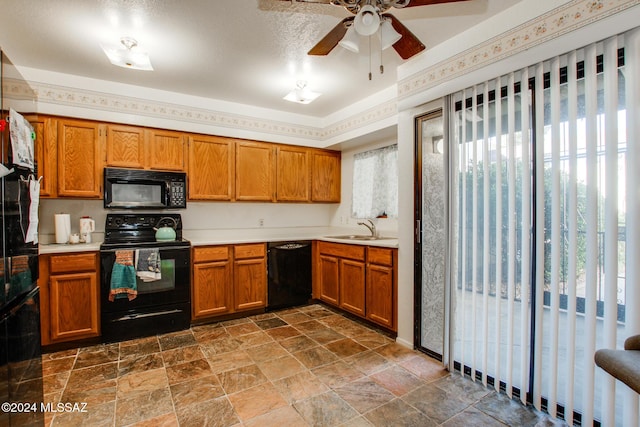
[{"x": 418, "y": 232}]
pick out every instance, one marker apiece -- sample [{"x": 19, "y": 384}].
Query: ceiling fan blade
[
  {"x": 409, "y": 44},
  {"x": 332, "y": 38},
  {"x": 414, "y": 3}
]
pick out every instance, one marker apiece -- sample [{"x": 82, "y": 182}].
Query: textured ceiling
[{"x": 244, "y": 51}]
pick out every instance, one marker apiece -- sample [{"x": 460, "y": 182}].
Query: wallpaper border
[{"x": 555, "y": 23}]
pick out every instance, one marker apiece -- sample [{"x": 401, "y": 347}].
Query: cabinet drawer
[
  {"x": 210, "y": 253},
  {"x": 249, "y": 251},
  {"x": 380, "y": 256},
  {"x": 342, "y": 251},
  {"x": 73, "y": 263}
]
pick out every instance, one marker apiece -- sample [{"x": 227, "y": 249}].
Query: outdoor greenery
[{"x": 506, "y": 215}]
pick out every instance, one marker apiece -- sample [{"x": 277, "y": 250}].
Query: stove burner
[{"x": 126, "y": 230}]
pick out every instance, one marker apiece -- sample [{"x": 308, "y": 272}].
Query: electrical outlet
[{"x": 261, "y": 222}]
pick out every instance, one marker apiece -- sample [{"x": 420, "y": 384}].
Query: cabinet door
[
  {"x": 211, "y": 289},
  {"x": 46, "y": 153},
  {"x": 74, "y": 306},
  {"x": 329, "y": 279},
  {"x": 352, "y": 286},
  {"x": 325, "y": 176},
  {"x": 250, "y": 284},
  {"x": 292, "y": 177},
  {"x": 79, "y": 165},
  {"x": 165, "y": 150},
  {"x": 254, "y": 171},
  {"x": 211, "y": 168},
  {"x": 380, "y": 298},
  {"x": 125, "y": 146}
]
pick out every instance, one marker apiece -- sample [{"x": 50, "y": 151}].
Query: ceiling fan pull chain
[
  {"x": 381, "y": 64},
  {"x": 369, "y": 57}
]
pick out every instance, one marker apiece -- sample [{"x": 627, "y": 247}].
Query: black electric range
[{"x": 141, "y": 306}]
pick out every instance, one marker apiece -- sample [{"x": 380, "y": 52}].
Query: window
[{"x": 375, "y": 183}]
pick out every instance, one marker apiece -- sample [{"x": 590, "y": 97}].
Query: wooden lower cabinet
[
  {"x": 382, "y": 279},
  {"x": 228, "y": 279},
  {"x": 212, "y": 274},
  {"x": 359, "y": 279},
  {"x": 329, "y": 279},
  {"x": 352, "y": 286},
  {"x": 70, "y": 297}
]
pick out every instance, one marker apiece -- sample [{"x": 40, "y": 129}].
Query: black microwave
[{"x": 144, "y": 189}]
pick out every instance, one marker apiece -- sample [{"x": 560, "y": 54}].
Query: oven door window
[
  {"x": 172, "y": 287},
  {"x": 166, "y": 283}
]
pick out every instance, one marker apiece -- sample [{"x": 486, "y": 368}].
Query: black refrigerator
[{"x": 20, "y": 351}]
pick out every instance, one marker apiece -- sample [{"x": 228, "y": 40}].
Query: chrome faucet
[{"x": 372, "y": 227}]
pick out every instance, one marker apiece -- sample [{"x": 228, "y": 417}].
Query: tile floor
[{"x": 306, "y": 366}]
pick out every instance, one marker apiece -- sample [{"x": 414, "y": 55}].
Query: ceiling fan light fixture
[
  {"x": 367, "y": 21},
  {"x": 388, "y": 35},
  {"x": 301, "y": 94},
  {"x": 129, "y": 57},
  {"x": 350, "y": 41}
]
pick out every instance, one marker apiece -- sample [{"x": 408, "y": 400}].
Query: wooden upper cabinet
[
  {"x": 325, "y": 176},
  {"x": 254, "y": 171},
  {"x": 211, "y": 168},
  {"x": 79, "y": 160},
  {"x": 125, "y": 146},
  {"x": 293, "y": 173},
  {"x": 166, "y": 150},
  {"x": 46, "y": 153}
]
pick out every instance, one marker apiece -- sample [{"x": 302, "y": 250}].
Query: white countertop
[
  {"x": 249, "y": 235},
  {"x": 257, "y": 235},
  {"x": 58, "y": 248}
]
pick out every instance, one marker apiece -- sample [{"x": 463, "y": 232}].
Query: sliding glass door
[{"x": 544, "y": 226}]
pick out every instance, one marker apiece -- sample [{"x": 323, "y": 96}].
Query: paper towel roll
[{"x": 63, "y": 228}]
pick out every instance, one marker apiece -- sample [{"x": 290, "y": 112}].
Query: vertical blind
[{"x": 547, "y": 190}]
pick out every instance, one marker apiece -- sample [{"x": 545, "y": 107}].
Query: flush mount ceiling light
[
  {"x": 129, "y": 57},
  {"x": 301, "y": 94}
]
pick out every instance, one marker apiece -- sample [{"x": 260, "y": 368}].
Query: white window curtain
[
  {"x": 554, "y": 168},
  {"x": 375, "y": 183}
]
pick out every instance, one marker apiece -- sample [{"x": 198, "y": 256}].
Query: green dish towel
[{"x": 123, "y": 277}]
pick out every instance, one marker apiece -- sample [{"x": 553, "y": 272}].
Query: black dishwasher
[{"x": 289, "y": 270}]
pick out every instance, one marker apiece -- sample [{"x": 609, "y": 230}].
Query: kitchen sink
[{"x": 359, "y": 237}]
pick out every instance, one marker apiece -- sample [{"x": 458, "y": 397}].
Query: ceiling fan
[{"x": 369, "y": 16}]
